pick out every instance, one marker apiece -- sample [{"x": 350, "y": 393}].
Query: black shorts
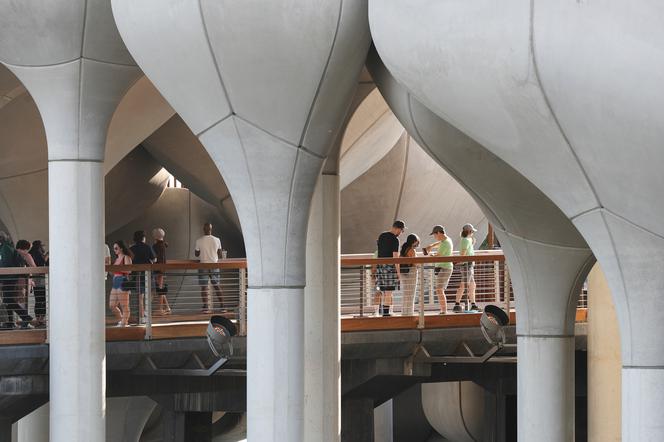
[{"x": 386, "y": 277}]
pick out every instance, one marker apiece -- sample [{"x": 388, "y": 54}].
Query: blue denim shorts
[{"x": 119, "y": 282}]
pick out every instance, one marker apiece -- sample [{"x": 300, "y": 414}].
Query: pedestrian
[
  {"x": 25, "y": 282},
  {"x": 40, "y": 257},
  {"x": 119, "y": 299},
  {"x": 142, "y": 254},
  {"x": 11, "y": 284},
  {"x": 467, "y": 248},
  {"x": 159, "y": 248},
  {"x": 208, "y": 250},
  {"x": 409, "y": 274},
  {"x": 388, "y": 275},
  {"x": 442, "y": 270}
]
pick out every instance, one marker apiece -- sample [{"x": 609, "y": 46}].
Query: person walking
[
  {"x": 40, "y": 257},
  {"x": 409, "y": 274},
  {"x": 467, "y": 248},
  {"x": 142, "y": 254},
  {"x": 388, "y": 275},
  {"x": 159, "y": 248},
  {"x": 119, "y": 299},
  {"x": 442, "y": 270},
  {"x": 208, "y": 250}
]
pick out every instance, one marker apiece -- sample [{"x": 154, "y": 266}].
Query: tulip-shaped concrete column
[
  {"x": 70, "y": 58},
  {"x": 548, "y": 260},
  {"x": 265, "y": 87},
  {"x": 569, "y": 94}
]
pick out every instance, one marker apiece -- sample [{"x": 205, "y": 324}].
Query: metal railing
[
  {"x": 427, "y": 287},
  {"x": 181, "y": 292},
  {"x": 185, "y": 292}
]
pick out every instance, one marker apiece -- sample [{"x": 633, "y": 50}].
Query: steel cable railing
[{"x": 190, "y": 292}]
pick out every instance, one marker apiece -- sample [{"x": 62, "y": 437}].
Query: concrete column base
[
  {"x": 545, "y": 388},
  {"x": 77, "y": 366},
  {"x": 642, "y": 404},
  {"x": 275, "y": 364}
]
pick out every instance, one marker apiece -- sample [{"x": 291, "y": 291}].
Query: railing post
[
  {"x": 506, "y": 289},
  {"x": 432, "y": 285},
  {"x": 48, "y": 305},
  {"x": 242, "y": 320},
  {"x": 419, "y": 268},
  {"x": 148, "y": 305},
  {"x": 363, "y": 284},
  {"x": 496, "y": 281}
]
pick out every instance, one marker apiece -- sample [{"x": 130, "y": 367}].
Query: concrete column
[
  {"x": 545, "y": 385},
  {"x": 76, "y": 327},
  {"x": 547, "y": 257},
  {"x": 275, "y": 339},
  {"x": 76, "y": 75},
  {"x": 383, "y": 422},
  {"x": 322, "y": 350},
  {"x": 604, "y": 362}
]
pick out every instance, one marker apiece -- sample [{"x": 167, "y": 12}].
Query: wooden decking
[{"x": 194, "y": 326}]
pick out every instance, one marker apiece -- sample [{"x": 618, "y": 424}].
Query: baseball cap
[
  {"x": 399, "y": 224},
  {"x": 437, "y": 229},
  {"x": 469, "y": 228}
]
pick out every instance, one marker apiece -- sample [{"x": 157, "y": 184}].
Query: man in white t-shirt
[{"x": 208, "y": 250}]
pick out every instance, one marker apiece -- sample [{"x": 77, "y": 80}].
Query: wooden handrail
[
  {"x": 492, "y": 255},
  {"x": 23, "y": 271},
  {"x": 241, "y": 263}
]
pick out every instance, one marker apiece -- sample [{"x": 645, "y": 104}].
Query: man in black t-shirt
[
  {"x": 387, "y": 275},
  {"x": 143, "y": 254}
]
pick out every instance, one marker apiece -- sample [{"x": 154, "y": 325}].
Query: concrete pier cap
[
  {"x": 568, "y": 94},
  {"x": 265, "y": 88}
]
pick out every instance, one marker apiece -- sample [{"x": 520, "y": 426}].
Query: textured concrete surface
[
  {"x": 548, "y": 259},
  {"x": 267, "y": 105},
  {"x": 588, "y": 137},
  {"x": 76, "y": 76}
]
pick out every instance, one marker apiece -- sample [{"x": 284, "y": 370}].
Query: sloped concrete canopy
[
  {"x": 548, "y": 259},
  {"x": 265, "y": 88}
]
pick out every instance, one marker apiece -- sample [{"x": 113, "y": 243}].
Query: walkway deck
[{"x": 194, "y": 326}]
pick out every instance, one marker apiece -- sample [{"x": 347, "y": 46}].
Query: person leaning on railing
[
  {"x": 25, "y": 282},
  {"x": 408, "y": 274},
  {"x": 443, "y": 270}
]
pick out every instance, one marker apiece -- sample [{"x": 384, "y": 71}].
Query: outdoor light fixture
[
  {"x": 492, "y": 323},
  {"x": 220, "y": 331}
]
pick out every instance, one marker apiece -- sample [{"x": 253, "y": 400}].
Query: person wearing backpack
[{"x": 11, "y": 285}]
